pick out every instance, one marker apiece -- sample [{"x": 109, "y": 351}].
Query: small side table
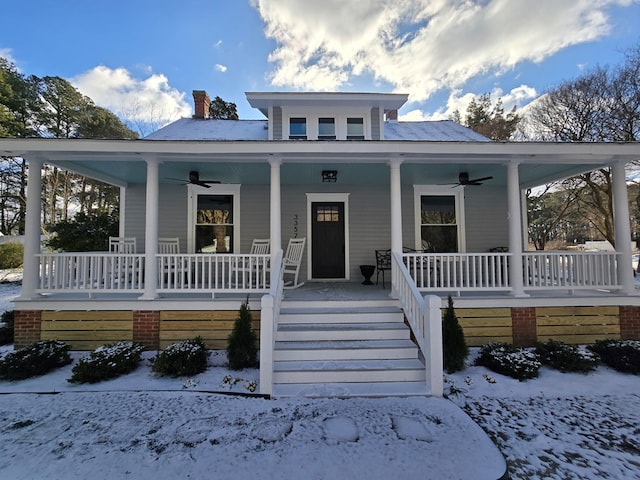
[{"x": 367, "y": 272}]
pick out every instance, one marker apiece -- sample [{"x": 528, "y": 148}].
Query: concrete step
[
  {"x": 345, "y": 350},
  {"x": 342, "y": 331},
  {"x": 349, "y": 371}
]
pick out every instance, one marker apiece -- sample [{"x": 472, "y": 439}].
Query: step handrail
[{"x": 425, "y": 320}]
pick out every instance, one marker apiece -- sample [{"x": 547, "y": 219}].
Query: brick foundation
[
  {"x": 629, "y": 322},
  {"x": 524, "y": 326},
  {"x": 146, "y": 328},
  {"x": 27, "y": 327}
]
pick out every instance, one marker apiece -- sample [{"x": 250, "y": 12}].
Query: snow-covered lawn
[{"x": 558, "y": 426}]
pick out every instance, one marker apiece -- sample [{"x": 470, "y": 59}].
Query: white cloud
[
  {"x": 419, "y": 46},
  {"x": 7, "y": 54},
  {"x": 218, "y": 44},
  {"x": 518, "y": 97},
  {"x": 221, "y": 68},
  {"x": 150, "y": 100}
]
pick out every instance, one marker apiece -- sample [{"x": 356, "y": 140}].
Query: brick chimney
[
  {"x": 201, "y": 102},
  {"x": 391, "y": 115}
]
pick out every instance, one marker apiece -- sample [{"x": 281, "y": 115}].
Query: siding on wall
[
  {"x": 486, "y": 218},
  {"x": 370, "y": 228},
  {"x": 277, "y": 123},
  {"x": 254, "y": 214},
  {"x": 375, "y": 124},
  {"x": 135, "y": 214}
]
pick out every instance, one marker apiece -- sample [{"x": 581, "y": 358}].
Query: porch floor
[{"x": 317, "y": 292}]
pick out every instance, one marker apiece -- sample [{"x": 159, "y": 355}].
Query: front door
[{"x": 327, "y": 240}]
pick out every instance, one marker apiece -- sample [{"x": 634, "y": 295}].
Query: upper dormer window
[
  {"x": 326, "y": 128},
  {"x": 355, "y": 129},
  {"x": 297, "y": 128}
]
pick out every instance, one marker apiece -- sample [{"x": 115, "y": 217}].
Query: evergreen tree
[
  {"x": 219, "y": 109},
  {"x": 242, "y": 348},
  {"x": 454, "y": 346}
]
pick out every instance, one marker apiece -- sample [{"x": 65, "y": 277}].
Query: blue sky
[{"x": 142, "y": 58}]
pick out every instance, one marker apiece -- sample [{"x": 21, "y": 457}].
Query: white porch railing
[
  {"x": 489, "y": 272},
  {"x": 425, "y": 320},
  {"x": 213, "y": 273},
  {"x": 269, "y": 317},
  {"x": 91, "y": 271},
  {"x": 113, "y": 272},
  {"x": 579, "y": 270}
]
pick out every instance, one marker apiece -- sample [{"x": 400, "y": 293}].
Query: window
[
  {"x": 326, "y": 129},
  {"x": 355, "y": 129},
  {"x": 214, "y": 228},
  {"x": 439, "y": 219},
  {"x": 297, "y": 128},
  {"x": 327, "y": 213}
]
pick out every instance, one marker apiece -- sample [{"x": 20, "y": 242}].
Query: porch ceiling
[{"x": 121, "y": 162}]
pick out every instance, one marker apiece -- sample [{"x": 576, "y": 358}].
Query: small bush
[
  {"x": 11, "y": 255},
  {"x": 107, "y": 362},
  {"x": 622, "y": 355},
  {"x": 36, "y": 359},
  {"x": 566, "y": 358},
  {"x": 6, "y": 327},
  {"x": 242, "y": 348},
  {"x": 183, "y": 358},
  {"x": 454, "y": 345},
  {"x": 509, "y": 360}
]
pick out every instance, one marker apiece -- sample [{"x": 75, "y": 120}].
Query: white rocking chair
[
  {"x": 292, "y": 260},
  {"x": 122, "y": 244}
]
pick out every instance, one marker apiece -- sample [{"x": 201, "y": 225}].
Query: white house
[{"x": 341, "y": 172}]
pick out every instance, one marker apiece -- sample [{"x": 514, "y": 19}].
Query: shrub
[
  {"x": 509, "y": 360},
  {"x": 84, "y": 232},
  {"x": 454, "y": 346},
  {"x": 622, "y": 355},
  {"x": 11, "y": 255},
  {"x": 183, "y": 358},
  {"x": 107, "y": 362},
  {"x": 242, "y": 348},
  {"x": 6, "y": 330},
  {"x": 36, "y": 359},
  {"x": 566, "y": 358}
]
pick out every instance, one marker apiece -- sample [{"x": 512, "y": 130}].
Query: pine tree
[
  {"x": 454, "y": 346},
  {"x": 242, "y": 349}
]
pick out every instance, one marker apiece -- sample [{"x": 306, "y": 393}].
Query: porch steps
[{"x": 345, "y": 349}]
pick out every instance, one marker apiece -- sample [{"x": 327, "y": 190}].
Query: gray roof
[
  {"x": 198, "y": 129},
  {"x": 431, "y": 131},
  {"x": 233, "y": 130}
]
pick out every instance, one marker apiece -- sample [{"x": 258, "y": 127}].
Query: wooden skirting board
[{"x": 212, "y": 326}]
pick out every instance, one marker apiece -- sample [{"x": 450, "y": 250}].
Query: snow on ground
[{"x": 559, "y": 426}]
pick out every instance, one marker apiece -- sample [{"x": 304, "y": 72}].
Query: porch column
[
  {"x": 151, "y": 230},
  {"x": 275, "y": 233},
  {"x": 396, "y": 211},
  {"x": 32, "y": 230},
  {"x": 515, "y": 230},
  {"x": 622, "y": 227}
]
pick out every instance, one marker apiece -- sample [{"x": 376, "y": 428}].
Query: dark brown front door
[{"x": 327, "y": 240}]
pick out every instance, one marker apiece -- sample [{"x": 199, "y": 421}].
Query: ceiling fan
[
  {"x": 464, "y": 180},
  {"x": 194, "y": 179}
]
